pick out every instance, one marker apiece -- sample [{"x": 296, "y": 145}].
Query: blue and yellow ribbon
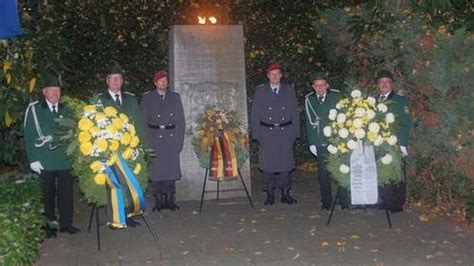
[
  {"x": 115, "y": 201},
  {"x": 121, "y": 182}
]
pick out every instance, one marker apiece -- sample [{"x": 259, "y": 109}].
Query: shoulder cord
[
  {"x": 44, "y": 139},
  {"x": 315, "y": 123}
]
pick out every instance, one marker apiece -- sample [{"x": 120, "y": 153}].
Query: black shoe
[
  {"x": 158, "y": 203},
  {"x": 270, "y": 197},
  {"x": 286, "y": 197},
  {"x": 170, "y": 202},
  {"x": 69, "y": 229}
]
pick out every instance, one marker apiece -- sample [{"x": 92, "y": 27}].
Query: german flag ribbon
[{"x": 223, "y": 161}]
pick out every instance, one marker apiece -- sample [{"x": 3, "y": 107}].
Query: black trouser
[
  {"x": 60, "y": 182},
  {"x": 283, "y": 180},
  {"x": 324, "y": 177},
  {"x": 166, "y": 186}
]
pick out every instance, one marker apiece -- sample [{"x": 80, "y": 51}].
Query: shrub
[{"x": 21, "y": 218}]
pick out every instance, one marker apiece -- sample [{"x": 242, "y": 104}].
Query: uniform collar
[
  {"x": 387, "y": 95},
  {"x": 272, "y": 87}
]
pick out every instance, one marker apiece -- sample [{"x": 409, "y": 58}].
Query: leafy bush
[{"x": 21, "y": 218}]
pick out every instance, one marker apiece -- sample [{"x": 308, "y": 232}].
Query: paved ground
[{"x": 232, "y": 233}]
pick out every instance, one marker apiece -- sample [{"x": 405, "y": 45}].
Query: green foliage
[{"x": 21, "y": 219}]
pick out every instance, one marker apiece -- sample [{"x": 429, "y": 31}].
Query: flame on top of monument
[{"x": 203, "y": 20}]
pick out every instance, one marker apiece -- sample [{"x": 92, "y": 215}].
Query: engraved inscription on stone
[{"x": 197, "y": 96}]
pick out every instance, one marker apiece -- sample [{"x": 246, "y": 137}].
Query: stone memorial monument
[{"x": 207, "y": 68}]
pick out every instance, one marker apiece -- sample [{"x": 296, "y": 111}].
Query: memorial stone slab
[{"x": 207, "y": 68}]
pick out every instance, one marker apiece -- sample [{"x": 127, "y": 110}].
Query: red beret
[
  {"x": 273, "y": 66},
  {"x": 159, "y": 75}
]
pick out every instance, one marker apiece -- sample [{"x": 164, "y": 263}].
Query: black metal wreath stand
[{"x": 365, "y": 207}]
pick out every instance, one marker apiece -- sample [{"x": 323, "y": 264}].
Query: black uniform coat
[
  {"x": 166, "y": 142},
  {"x": 276, "y": 143}
]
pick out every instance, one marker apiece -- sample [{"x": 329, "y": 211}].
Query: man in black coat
[
  {"x": 163, "y": 117},
  {"x": 275, "y": 125}
]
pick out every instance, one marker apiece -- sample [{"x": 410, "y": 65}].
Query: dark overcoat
[
  {"x": 164, "y": 127},
  {"x": 276, "y": 142}
]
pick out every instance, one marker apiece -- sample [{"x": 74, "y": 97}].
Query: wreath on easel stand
[{"x": 220, "y": 142}]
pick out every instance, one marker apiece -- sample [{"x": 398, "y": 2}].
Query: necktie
[
  {"x": 117, "y": 98},
  {"x": 320, "y": 99},
  {"x": 382, "y": 98},
  {"x": 275, "y": 91},
  {"x": 54, "y": 109},
  {"x": 162, "y": 96}
]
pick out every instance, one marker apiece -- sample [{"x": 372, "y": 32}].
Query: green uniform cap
[
  {"x": 52, "y": 80},
  {"x": 319, "y": 76},
  {"x": 384, "y": 73},
  {"x": 114, "y": 68}
]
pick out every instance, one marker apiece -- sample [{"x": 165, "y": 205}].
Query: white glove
[
  {"x": 313, "y": 150},
  {"x": 36, "y": 167},
  {"x": 404, "y": 151}
]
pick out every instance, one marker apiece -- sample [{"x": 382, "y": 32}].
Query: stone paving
[{"x": 230, "y": 232}]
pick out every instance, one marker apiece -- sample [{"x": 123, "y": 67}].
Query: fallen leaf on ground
[
  {"x": 374, "y": 250},
  {"x": 315, "y": 216},
  {"x": 324, "y": 244},
  {"x": 356, "y": 247},
  {"x": 229, "y": 249},
  {"x": 355, "y": 237},
  {"x": 423, "y": 218},
  {"x": 258, "y": 253},
  {"x": 428, "y": 257},
  {"x": 291, "y": 248}
]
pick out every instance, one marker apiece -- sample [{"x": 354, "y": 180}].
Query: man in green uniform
[
  {"x": 125, "y": 102},
  {"x": 47, "y": 159},
  {"x": 317, "y": 105},
  {"x": 394, "y": 196}
]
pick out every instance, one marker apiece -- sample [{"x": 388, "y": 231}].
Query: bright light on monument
[{"x": 202, "y": 20}]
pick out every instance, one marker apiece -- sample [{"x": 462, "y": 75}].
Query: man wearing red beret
[
  {"x": 163, "y": 116},
  {"x": 275, "y": 125}
]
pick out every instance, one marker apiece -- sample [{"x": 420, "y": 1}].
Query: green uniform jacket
[
  {"x": 319, "y": 112},
  {"x": 398, "y": 105},
  {"x": 49, "y": 154},
  {"x": 129, "y": 107}
]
